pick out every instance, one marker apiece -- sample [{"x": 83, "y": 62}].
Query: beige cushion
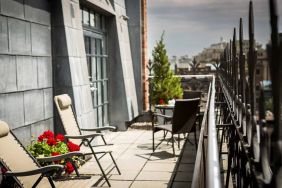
[
  {"x": 64, "y": 101},
  {"x": 4, "y": 129}
]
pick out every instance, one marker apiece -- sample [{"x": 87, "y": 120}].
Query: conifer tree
[{"x": 165, "y": 86}]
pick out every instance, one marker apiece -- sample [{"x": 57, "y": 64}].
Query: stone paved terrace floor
[{"x": 140, "y": 167}]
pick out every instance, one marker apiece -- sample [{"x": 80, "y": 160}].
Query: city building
[
  {"x": 210, "y": 54},
  {"x": 262, "y": 67},
  {"x": 179, "y": 63},
  {"x": 95, "y": 51}
]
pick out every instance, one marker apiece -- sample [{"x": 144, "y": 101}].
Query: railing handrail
[
  {"x": 213, "y": 175},
  {"x": 199, "y": 156},
  {"x": 212, "y": 166},
  {"x": 199, "y": 76}
]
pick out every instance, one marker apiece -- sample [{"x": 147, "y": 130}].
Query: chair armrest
[
  {"x": 83, "y": 136},
  {"x": 41, "y": 170},
  {"x": 101, "y": 129},
  {"x": 60, "y": 157}
]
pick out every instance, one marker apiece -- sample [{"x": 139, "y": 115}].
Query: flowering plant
[{"x": 48, "y": 144}]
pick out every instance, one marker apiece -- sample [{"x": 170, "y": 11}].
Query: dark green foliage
[{"x": 164, "y": 85}]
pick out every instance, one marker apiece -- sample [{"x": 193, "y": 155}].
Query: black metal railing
[{"x": 254, "y": 142}]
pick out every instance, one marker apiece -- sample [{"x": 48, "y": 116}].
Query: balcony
[{"x": 238, "y": 145}]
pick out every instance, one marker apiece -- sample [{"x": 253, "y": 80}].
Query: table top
[{"x": 164, "y": 106}]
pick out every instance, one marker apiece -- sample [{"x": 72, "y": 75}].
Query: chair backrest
[
  {"x": 16, "y": 158},
  {"x": 192, "y": 94},
  {"x": 64, "y": 107},
  {"x": 184, "y": 115}
]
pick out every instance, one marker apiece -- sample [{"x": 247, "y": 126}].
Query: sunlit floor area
[{"x": 140, "y": 167}]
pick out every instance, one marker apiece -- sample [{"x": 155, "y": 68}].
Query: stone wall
[
  {"x": 39, "y": 60},
  {"x": 26, "y": 67},
  {"x": 69, "y": 61},
  {"x": 133, "y": 10},
  {"x": 123, "y": 90}
]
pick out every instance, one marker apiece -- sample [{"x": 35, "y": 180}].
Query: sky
[{"x": 192, "y": 25}]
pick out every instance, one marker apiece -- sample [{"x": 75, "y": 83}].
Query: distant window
[
  {"x": 85, "y": 16},
  {"x": 93, "y": 19}
]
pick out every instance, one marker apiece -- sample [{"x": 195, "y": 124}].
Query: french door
[{"x": 96, "y": 53}]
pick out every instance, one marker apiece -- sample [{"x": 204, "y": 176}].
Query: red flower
[
  {"x": 73, "y": 147},
  {"x": 51, "y": 142},
  {"x": 54, "y": 153},
  {"x": 48, "y": 134},
  {"x": 40, "y": 138},
  {"x": 69, "y": 167},
  {"x": 161, "y": 101},
  {"x": 60, "y": 137}
]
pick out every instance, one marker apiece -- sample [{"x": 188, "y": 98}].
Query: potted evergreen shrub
[{"x": 165, "y": 86}]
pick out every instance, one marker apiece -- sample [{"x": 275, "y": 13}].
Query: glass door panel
[
  {"x": 97, "y": 68},
  {"x": 100, "y": 116},
  {"x": 106, "y": 119}
]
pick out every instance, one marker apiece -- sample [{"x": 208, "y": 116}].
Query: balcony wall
[{"x": 26, "y": 67}]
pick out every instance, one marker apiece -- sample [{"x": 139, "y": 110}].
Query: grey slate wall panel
[
  {"x": 8, "y": 72},
  {"x": 41, "y": 126},
  {"x": 24, "y": 135},
  {"x": 48, "y": 103},
  {"x": 13, "y": 8},
  {"x": 37, "y": 11},
  {"x": 44, "y": 71},
  {"x": 26, "y": 72},
  {"x": 19, "y": 37},
  {"x": 41, "y": 40},
  {"x": 26, "y": 97},
  {"x": 12, "y": 109},
  {"x": 4, "y": 47},
  {"x": 33, "y": 106}
]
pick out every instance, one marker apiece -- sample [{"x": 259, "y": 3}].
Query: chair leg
[
  {"x": 115, "y": 163},
  {"x": 97, "y": 160},
  {"x": 102, "y": 170},
  {"x": 38, "y": 181},
  {"x": 172, "y": 140},
  {"x": 153, "y": 141},
  {"x": 51, "y": 182},
  {"x": 104, "y": 140}
]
